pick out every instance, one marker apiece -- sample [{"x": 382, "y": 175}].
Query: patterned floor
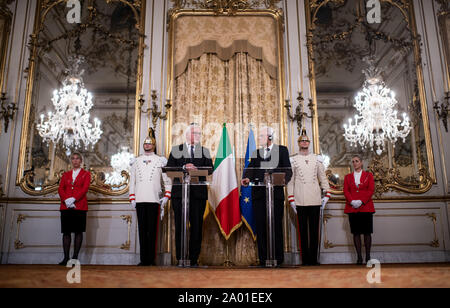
[{"x": 332, "y": 276}]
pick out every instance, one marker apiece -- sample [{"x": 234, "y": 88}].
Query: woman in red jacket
[
  {"x": 73, "y": 188},
  {"x": 358, "y": 190}
]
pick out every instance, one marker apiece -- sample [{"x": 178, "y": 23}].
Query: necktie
[
  {"x": 267, "y": 153},
  {"x": 192, "y": 152}
]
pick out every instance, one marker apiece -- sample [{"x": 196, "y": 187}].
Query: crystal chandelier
[
  {"x": 119, "y": 162},
  {"x": 376, "y": 121},
  {"x": 70, "y": 120}
]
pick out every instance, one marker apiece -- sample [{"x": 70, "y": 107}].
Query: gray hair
[
  {"x": 188, "y": 130},
  {"x": 270, "y": 132}
]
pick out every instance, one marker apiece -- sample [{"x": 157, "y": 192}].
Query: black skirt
[
  {"x": 73, "y": 221},
  {"x": 361, "y": 223}
]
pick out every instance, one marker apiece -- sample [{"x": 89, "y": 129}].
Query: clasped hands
[
  {"x": 189, "y": 167},
  {"x": 356, "y": 204},
  {"x": 70, "y": 203}
]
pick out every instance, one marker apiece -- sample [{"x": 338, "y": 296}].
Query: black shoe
[
  {"x": 359, "y": 261},
  {"x": 368, "y": 258},
  {"x": 63, "y": 262}
]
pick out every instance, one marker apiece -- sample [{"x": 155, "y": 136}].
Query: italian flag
[{"x": 224, "y": 192}]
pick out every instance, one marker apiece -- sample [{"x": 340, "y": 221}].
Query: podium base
[
  {"x": 184, "y": 263},
  {"x": 271, "y": 263}
]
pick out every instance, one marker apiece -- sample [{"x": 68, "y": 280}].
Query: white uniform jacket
[
  {"x": 304, "y": 188},
  {"x": 147, "y": 179}
]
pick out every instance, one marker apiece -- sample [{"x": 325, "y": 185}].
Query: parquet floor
[{"x": 331, "y": 276}]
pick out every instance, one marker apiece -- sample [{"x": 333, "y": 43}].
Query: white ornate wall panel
[{"x": 33, "y": 235}]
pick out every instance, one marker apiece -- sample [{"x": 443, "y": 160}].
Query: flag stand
[{"x": 228, "y": 262}]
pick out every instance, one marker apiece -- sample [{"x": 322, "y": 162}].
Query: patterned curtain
[{"x": 237, "y": 92}]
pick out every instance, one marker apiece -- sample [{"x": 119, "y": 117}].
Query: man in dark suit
[
  {"x": 190, "y": 155},
  {"x": 270, "y": 156}
]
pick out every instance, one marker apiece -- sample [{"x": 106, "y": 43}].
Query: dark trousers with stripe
[
  {"x": 260, "y": 216},
  {"x": 308, "y": 219},
  {"x": 148, "y": 220},
  {"x": 196, "y": 211}
]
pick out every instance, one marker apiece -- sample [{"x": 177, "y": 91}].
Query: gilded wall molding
[
  {"x": 180, "y": 11},
  {"x": 36, "y": 45},
  {"x": 227, "y": 7},
  {"x": 18, "y": 244},
  {"x": 434, "y": 243},
  {"x": 387, "y": 178}
]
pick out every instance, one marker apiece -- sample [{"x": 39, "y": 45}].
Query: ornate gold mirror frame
[
  {"x": 98, "y": 185},
  {"x": 5, "y": 30},
  {"x": 386, "y": 179},
  {"x": 443, "y": 15},
  {"x": 261, "y": 8}
]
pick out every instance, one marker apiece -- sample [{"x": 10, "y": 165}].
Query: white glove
[
  {"x": 356, "y": 204},
  {"x": 325, "y": 201},
  {"x": 133, "y": 203},
  {"x": 70, "y": 202},
  {"x": 163, "y": 202},
  {"x": 294, "y": 207}
]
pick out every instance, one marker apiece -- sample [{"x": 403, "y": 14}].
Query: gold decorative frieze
[{"x": 228, "y": 7}]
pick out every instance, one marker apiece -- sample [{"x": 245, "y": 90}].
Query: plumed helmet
[
  {"x": 150, "y": 139},
  {"x": 304, "y": 136}
]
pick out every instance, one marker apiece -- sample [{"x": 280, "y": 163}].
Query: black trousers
[
  {"x": 196, "y": 212},
  {"x": 308, "y": 219},
  {"x": 260, "y": 214},
  {"x": 148, "y": 219}
]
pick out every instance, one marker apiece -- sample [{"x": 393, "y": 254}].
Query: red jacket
[
  {"x": 78, "y": 189},
  {"x": 364, "y": 193}
]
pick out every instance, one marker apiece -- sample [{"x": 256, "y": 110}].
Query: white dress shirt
[
  {"x": 75, "y": 173},
  {"x": 357, "y": 176},
  {"x": 267, "y": 152}
]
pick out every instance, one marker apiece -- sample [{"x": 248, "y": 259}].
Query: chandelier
[
  {"x": 119, "y": 162},
  {"x": 376, "y": 121},
  {"x": 70, "y": 122}
]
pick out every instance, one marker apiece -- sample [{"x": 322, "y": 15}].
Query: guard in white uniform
[
  {"x": 305, "y": 197},
  {"x": 146, "y": 179}
]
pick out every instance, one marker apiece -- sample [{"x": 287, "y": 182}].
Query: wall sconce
[
  {"x": 8, "y": 110},
  {"x": 155, "y": 113},
  {"x": 299, "y": 113},
  {"x": 442, "y": 110}
]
